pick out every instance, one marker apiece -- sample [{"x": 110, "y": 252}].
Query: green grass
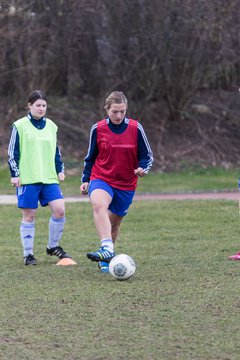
[
  {"x": 193, "y": 179},
  {"x": 182, "y": 303},
  {"x": 210, "y": 179}
]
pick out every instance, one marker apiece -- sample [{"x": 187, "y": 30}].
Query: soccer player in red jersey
[{"x": 118, "y": 153}]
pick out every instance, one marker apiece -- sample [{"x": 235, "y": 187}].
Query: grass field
[
  {"x": 186, "y": 181},
  {"x": 182, "y": 303}
]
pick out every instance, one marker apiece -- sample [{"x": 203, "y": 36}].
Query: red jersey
[{"x": 117, "y": 157}]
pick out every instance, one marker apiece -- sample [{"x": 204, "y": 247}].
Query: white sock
[
  {"x": 27, "y": 232},
  {"x": 56, "y": 227},
  {"x": 108, "y": 244}
]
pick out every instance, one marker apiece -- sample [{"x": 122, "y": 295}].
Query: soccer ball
[{"x": 122, "y": 267}]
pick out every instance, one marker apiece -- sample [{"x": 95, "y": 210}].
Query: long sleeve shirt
[
  {"x": 144, "y": 152},
  {"x": 14, "y": 149}
]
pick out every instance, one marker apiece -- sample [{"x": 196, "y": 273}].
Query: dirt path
[{"x": 11, "y": 199}]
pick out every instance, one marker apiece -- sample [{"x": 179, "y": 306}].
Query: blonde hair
[{"x": 116, "y": 97}]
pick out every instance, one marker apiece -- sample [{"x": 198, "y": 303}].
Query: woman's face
[
  {"x": 117, "y": 113},
  {"x": 38, "y": 108}
]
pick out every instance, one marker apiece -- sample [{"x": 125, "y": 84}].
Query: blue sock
[
  {"x": 56, "y": 227},
  {"x": 27, "y": 232}
]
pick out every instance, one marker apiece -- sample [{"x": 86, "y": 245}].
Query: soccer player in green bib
[{"x": 36, "y": 167}]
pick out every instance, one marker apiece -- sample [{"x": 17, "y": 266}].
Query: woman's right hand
[
  {"x": 84, "y": 188},
  {"x": 15, "y": 181}
]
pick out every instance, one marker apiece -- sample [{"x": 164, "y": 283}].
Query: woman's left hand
[
  {"x": 61, "y": 176},
  {"x": 139, "y": 172}
]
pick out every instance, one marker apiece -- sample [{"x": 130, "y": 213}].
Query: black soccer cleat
[
  {"x": 30, "y": 260},
  {"x": 58, "y": 251}
]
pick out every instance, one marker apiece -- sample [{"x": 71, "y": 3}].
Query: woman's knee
[
  {"x": 28, "y": 215},
  {"x": 115, "y": 227},
  {"x": 58, "y": 213},
  {"x": 57, "y": 208},
  {"x": 98, "y": 208}
]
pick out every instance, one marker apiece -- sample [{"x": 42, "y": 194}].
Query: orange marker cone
[{"x": 66, "y": 262}]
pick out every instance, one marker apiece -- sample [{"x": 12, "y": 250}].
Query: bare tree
[{"x": 155, "y": 50}]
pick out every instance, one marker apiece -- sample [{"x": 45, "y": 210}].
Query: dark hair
[{"x": 36, "y": 95}]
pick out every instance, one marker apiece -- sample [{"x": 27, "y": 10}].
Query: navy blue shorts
[
  {"x": 29, "y": 195},
  {"x": 121, "y": 199}
]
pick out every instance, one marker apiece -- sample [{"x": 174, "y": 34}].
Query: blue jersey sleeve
[
  {"x": 59, "y": 165},
  {"x": 91, "y": 155},
  {"x": 14, "y": 153},
  {"x": 145, "y": 155}
]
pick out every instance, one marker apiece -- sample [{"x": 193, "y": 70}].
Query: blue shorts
[
  {"x": 121, "y": 199},
  {"x": 29, "y": 195}
]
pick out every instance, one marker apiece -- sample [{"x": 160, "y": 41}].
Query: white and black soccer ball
[{"x": 122, "y": 267}]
